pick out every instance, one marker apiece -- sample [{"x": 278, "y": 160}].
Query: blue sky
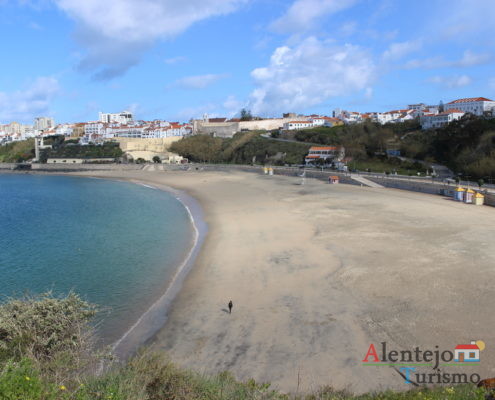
[{"x": 175, "y": 60}]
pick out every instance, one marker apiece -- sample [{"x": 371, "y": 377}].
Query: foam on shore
[{"x": 145, "y": 328}]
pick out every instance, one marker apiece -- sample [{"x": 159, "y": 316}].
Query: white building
[
  {"x": 94, "y": 132},
  {"x": 64, "y": 129},
  {"x": 381, "y": 118},
  {"x": 92, "y": 128},
  {"x": 326, "y": 153},
  {"x": 473, "y": 105},
  {"x": 292, "y": 125},
  {"x": 318, "y": 121},
  {"x": 416, "y": 107},
  {"x": 426, "y": 110},
  {"x": 124, "y": 118},
  {"x": 429, "y": 121},
  {"x": 43, "y": 123},
  {"x": 348, "y": 117}
]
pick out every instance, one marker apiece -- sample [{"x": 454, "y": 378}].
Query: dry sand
[{"x": 318, "y": 272}]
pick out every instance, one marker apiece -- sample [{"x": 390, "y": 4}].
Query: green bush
[
  {"x": 37, "y": 331},
  {"x": 44, "y": 326},
  {"x": 243, "y": 148}
]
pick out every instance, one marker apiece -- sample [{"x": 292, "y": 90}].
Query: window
[{"x": 472, "y": 355}]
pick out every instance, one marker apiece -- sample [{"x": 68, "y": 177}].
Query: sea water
[{"x": 117, "y": 244}]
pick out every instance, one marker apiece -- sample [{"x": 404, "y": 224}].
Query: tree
[
  {"x": 157, "y": 160},
  {"x": 481, "y": 182},
  {"x": 246, "y": 115}
]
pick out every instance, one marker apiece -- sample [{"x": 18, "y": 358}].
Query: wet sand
[{"x": 318, "y": 272}]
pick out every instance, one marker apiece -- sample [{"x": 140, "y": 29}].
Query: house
[
  {"x": 327, "y": 153},
  {"x": 348, "y": 117},
  {"x": 467, "y": 352},
  {"x": 429, "y": 121},
  {"x": 474, "y": 105},
  {"x": 291, "y": 125},
  {"x": 325, "y": 121}
]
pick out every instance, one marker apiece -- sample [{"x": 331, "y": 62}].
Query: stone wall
[
  {"x": 148, "y": 148},
  {"x": 228, "y": 129},
  {"x": 415, "y": 185},
  {"x": 7, "y": 166},
  {"x": 258, "y": 169},
  {"x": 86, "y": 167}
]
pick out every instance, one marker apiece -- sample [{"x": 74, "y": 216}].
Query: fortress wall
[
  {"x": 154, "y": 145},
  {"x": 149, "y": 148},
  {"x": 228, "y": 129},
  {"x": 219, "y": 129}
]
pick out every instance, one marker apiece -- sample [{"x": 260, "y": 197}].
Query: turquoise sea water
[{"x": 115, "y": 243}]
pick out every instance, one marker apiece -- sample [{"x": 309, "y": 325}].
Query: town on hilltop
[{"x": 124, "y": 125}]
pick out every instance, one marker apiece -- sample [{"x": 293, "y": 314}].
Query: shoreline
[
  {"x": 317, "y": 272},
  {"x": 151, "y": 321},
  {"x": 155, "y": 317}
]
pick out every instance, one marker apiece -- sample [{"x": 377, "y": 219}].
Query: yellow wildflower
[{"x": 62, "y": 387}]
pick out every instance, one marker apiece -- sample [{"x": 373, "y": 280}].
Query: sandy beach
[{"x": 319, "y": 272}]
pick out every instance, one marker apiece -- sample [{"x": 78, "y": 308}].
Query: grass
[
  {"x": 150, "y": 376},
  {"x": 47, "y": 354}
]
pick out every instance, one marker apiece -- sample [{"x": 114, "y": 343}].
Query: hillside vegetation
[
  {"x": 47, "y": 353},
  {"x": 243, "y": 148},
  {"x": 17, "y": 151},
  {"x": 466, "y": 146},
  {"x": 365, "y": 143},
  {"x": 61, "y": 148}
]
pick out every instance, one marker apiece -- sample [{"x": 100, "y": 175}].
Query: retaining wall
[
  {"x": 85, "y": 167},
  {"x": 7, "y": 166}
]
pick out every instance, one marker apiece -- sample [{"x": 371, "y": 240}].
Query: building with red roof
[
  {"x": 429, "y": 121},
  {"x": 473, "y": 105},
  {"x": 327, "y": 153}
]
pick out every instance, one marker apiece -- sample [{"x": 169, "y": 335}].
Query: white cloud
[
  {"x": 368, "y": 93},
  {"x": 34, "y": 100},
  {"x": 199, "y": 81},
  {"x": 35, "y": 26},
  {"x": 349, "y": 28},
  {"x": 117, "y": 32},
  {"x": 175, "y": 60},
  {"x": 451, "y": 82},
  {"x": 308, "y": 74},
  {"x": 302, "y": 14},
  {"x": 397, "y": 51},
  {"x": 466, "y": 20},
  {"x": 469, "y": 59},
  {"x": 232, "y": 105}
]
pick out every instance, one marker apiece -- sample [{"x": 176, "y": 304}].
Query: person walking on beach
[{"x": 230, "y": 306}]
